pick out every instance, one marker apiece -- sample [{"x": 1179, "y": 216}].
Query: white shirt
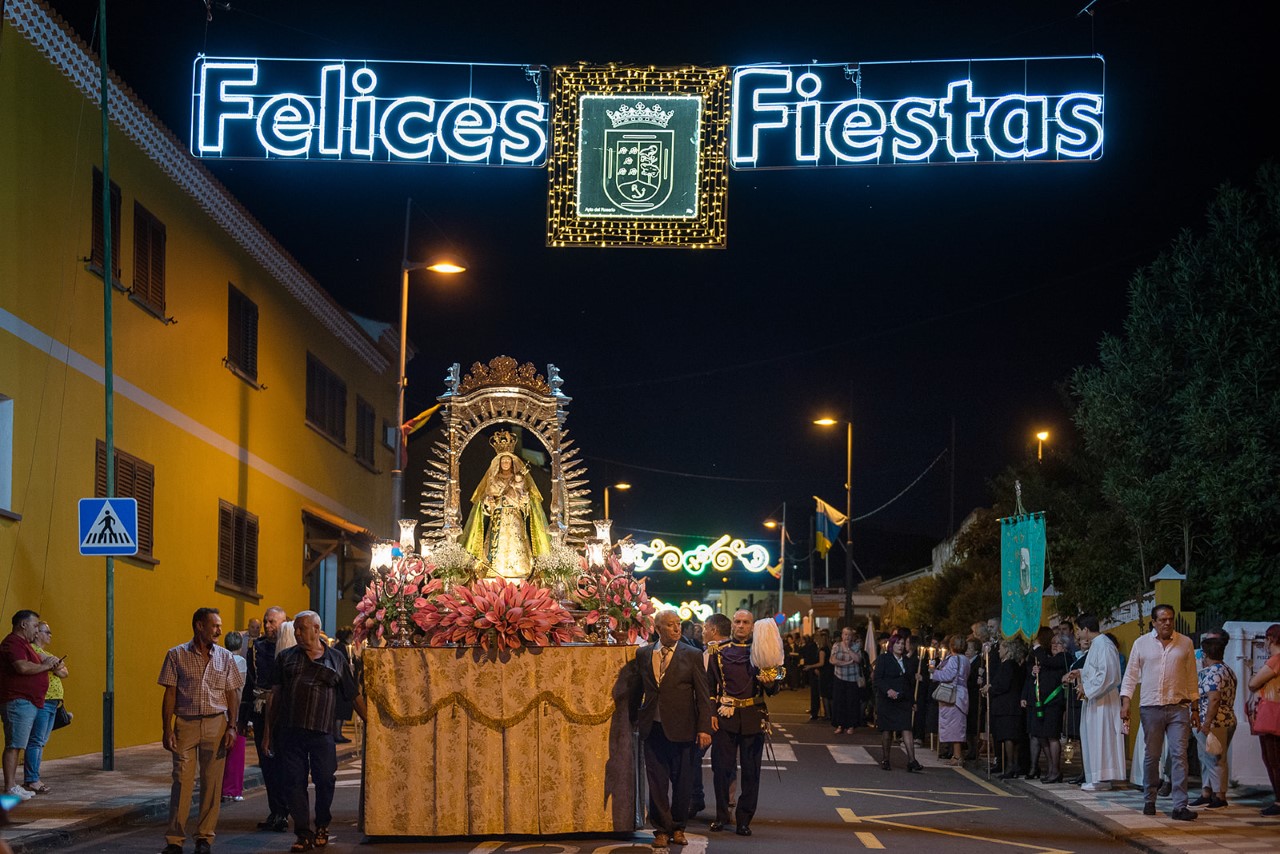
[{"x": 1167, "y": 672}]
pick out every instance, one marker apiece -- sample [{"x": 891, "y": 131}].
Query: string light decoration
[
  {"x": 720, "y": 556},
  {"x": 706, "y": 228}
]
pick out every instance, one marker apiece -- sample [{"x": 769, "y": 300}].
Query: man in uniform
[{"x": 739, "y": 725}]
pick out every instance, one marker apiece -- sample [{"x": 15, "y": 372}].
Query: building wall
[{"x": 209, "y": 434}]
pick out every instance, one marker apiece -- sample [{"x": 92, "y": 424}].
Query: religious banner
[{"x": 1022, "y": 549}]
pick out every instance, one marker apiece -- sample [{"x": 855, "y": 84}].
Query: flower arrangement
[
  {"x": 616, "y": 601},
  {"x": 556, "y": 568},
  {"x": 391, "y": 599},
  {"x": 452, "y": 564},
  {"x": 493, "y": 611}
]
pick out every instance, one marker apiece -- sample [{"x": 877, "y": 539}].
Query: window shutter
[
  {"x": 100, "y": 470},
  {"x": 249, "y": 339},
  {"x": 155, "y": 295},
  {"x": 141, "y": 253},
  {"x": 144, "y": 492},
  {"x": 98, "y": 251},
  {"x": 226, "y": 534}
]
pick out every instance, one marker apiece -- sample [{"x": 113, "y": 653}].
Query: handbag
[
  {"x": 62, "y": 717},
  {"x": 945, "y": 692},
  {"x": 1266, "y": 718}
]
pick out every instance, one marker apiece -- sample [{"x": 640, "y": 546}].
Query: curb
[{"x": 1098, "y": 822}]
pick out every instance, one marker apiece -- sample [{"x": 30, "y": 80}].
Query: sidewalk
[
  {"x": 1236, "y": 828},
  {"x": 84, "y": 798}
]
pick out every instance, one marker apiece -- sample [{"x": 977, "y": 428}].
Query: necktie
[{"x": 663, "y": 660}]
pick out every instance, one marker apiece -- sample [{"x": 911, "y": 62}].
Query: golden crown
[
  {"x": 503, "y": 441},
  {"x": 627, "y": 114}
]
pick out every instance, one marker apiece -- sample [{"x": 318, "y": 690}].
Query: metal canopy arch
[{"x": 505, "y": 392}]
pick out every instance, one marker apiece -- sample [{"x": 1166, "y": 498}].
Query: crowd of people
[{"x": 288, "y": 687}]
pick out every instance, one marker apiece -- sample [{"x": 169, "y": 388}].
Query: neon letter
[
  {"x": 526, "y": 141},
  {"x": 212, "y": 109},
  {"x": 466, "y": 129},
  {"x": 855, "y": 131},
  {"x": 1079, "y": 118},
  {"x": 960, "y": 106},
  {"x": 1021, "y": 121},
  {"x": 749, "y": 84},
  {"x": 285, "y": 123},
  {"x": 398, "y": 140},
  {"x": 915, "y": 138},
  {"x": 333, "y": 84}
]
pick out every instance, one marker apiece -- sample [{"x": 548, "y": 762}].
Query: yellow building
[{"x": 251, "y": 411}]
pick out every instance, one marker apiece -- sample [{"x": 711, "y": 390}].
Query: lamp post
[
  {"x": 623, "y": 486},
  {"x": 437, "y": 265},
  {"x": 848, "y": 514},
  {"x": 1041, "y": 436}
]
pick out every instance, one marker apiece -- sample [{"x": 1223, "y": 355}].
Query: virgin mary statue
[{"x": 506, "y": 527}]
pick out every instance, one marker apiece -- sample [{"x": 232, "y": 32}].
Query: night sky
[{"x": 906, "y": 295}]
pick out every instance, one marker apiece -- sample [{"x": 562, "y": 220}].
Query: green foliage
[
  {"x": 1182, "y": 413},
  {"x": 968, "y": 588}
]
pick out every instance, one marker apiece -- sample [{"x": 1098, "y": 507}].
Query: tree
[{"x": 1182, "y": 413}]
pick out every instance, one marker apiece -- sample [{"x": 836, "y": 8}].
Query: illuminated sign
[
  {"x": 686, "y": 610},
  {"x": 892, "y": 113},
  {"x": 720, "y": 556},
  {"x": 421, "y": 112},
  {"x": 638, "y": 156}
]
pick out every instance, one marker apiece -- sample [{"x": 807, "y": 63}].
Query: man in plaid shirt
[{"x": 201, "y": 701}]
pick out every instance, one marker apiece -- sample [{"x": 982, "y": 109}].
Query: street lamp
[
  {"x": 436, "y": 265},
  {"x": 1041, "y": 436},
  {"x": 848, "y": 513},
  {"x": 623, "y": 486}
]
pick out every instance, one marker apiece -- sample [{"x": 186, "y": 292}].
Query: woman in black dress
[
  {"x": 1005, "y": 695},
  {"x": 1044, "y": 698},
  {"x": 895, "y": 678}
]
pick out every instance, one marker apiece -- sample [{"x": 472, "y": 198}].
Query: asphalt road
[{"x": 827, "y": 794}]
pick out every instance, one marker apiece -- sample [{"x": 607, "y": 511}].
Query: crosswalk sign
[{"x": 109, "y": 526}]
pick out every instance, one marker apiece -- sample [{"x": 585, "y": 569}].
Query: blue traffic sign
[{"x": 109, "y": 526}]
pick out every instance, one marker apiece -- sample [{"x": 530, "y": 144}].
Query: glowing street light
[
  {"x": 436, "y": 265},
  {"x": 623, "y": 486},
  {"x": 1041, "y": 436},
  {"x": 848, "y": 512}
]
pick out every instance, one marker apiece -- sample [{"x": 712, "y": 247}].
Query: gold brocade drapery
[{"x": 463, "y": 742}]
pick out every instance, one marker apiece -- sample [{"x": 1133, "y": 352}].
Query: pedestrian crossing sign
[{"x": 109, "y": 526}]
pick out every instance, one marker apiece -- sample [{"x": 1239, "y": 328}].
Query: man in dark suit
[{"x": 674, "y": 719}]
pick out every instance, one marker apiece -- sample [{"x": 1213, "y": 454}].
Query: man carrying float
[{"x": 742, "y": 673}]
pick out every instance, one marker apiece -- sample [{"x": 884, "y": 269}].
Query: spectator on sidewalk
[
  {"x": 953, "y": 717},
  {"x": 43, "y": 727},
  {"x": 1004, "y": 692},
  {"x": 198, "y": 715},
  {"x": 1164, "y": 663},
  {"x": 233, "y": 773},
  {"x": 306, "y": 684},
  {"x": 1266, "y": 686},
  {"x": 1217, "y": 685},
  {"x": 261, "y": 662},
  {"x": 809, "y": 664},
  {"x": 1044, "y": 700},
  {"x": 24, "y": 683}
]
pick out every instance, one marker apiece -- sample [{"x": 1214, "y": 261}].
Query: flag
[
  {"x": 776, "y": 570},
  {"x": 1022, "y": 544},
  {"x": 409, "y": 428},
  {"x": 870, "y": 645},
  {"x": 827, "y": 526}
]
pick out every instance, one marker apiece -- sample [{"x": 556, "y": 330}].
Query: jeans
[
  {"x": 19, "y": 719},
  {"x": 1171, "y": 723},
  {"x": 39, "y": 738},
  {"x": 1213, "y": 769},
  {"x": 300, "y": 749}
]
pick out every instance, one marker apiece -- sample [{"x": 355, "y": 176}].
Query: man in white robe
[{"x": 1101, "y": 733}]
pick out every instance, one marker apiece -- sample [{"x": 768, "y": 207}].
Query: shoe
[
  {"x": 341, "y": 739},
  {"x": 812, "y": 718},
  {"x": 1034, "y": 775},
  {"x": 1217, "y": 803},
  {"x": 1202, "y": 801},
  {"x": 694, "y": 809},
  {"x": 954, "y": 763},
  {"x": 743, "y": 830},
  {"x": 268, "y": 823},
  {"x": 1049, "y": 781},
  {"x": 839, "y": 730},
  {"x": 1009, "y": 775},
  {"x": 303, "y": 844},
  {"x": 884, "y": 765},
  {"x": 1075, "y": 781},
  {"x": 38, "y": 787},
  {"x": 716, "y": 826},
  {"x": 1274, "y": 809},
  {"x": 171, "y": 848},
  {"x": 678, "y": 838},
  {"x": 914, "y": 767},
  {"x": 237, "y": 798},
  {"x": 659, "y": 841},
  {"x": 1166, "y": 788},
  {"x": 25, "y": 794},
  {"x": 1182, "y": 814},
  {"x": 1096, "y": 787},
  {"x": 1148, "y": 809},
  {"x": 322, "y": 837},
  {"x": 281, "y": 825},
  {"x": 203, "y": 847}
]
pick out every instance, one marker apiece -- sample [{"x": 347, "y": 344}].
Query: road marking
[
  {"x": 989, "y": 786},
  {"x": 834, "y": 791},
  {"x": 868, "y": 839}
]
